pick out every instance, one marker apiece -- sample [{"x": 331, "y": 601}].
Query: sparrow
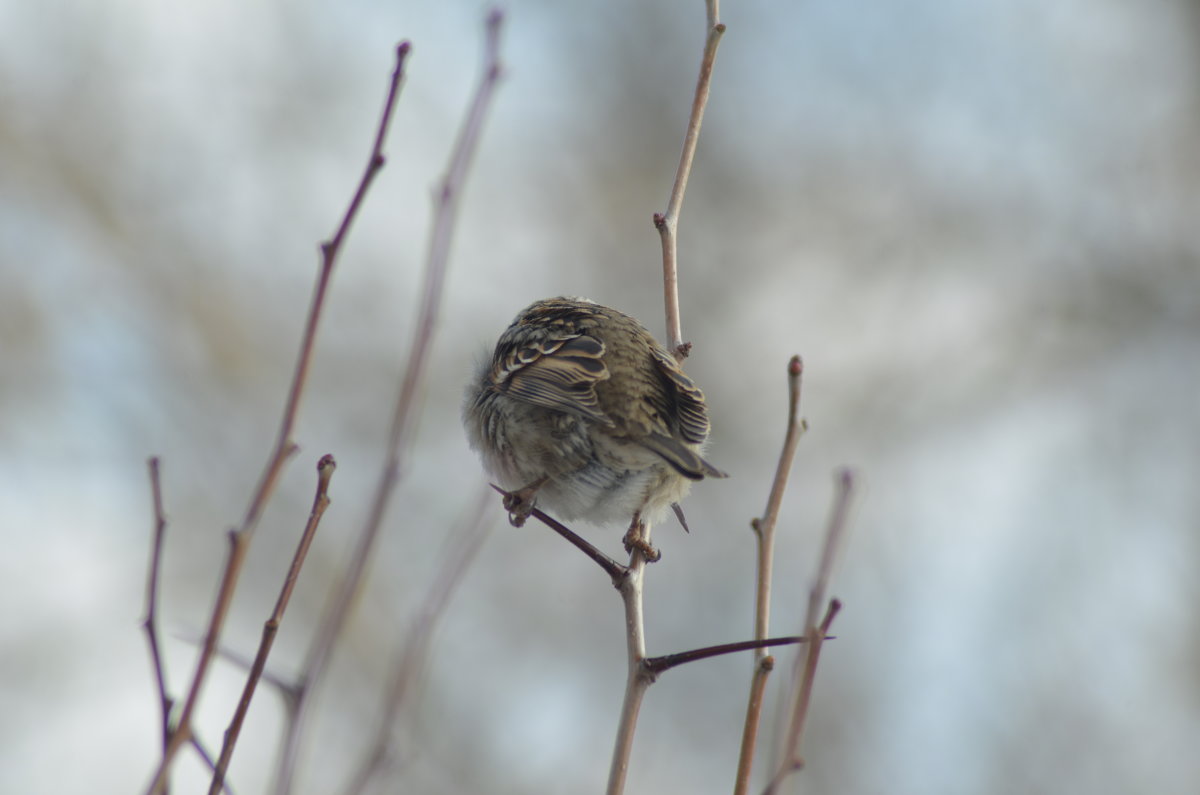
[{"x": 581, "y": 411}]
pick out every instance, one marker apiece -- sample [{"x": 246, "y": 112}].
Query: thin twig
[
  {"x": 764, "y": 528},
  {"x": 207, "y": 758},
  {"x": 245, "y": 663},
  {"x": 638, "y": 676},
  {"x": 242, "y": 661},
  {"x": 615, "y": 570},
  {"x": 668, "y": 661},
  {"x": 764, "y": 531},
  {"x": 806, "y": 666},
  {"x": 667, "y": 222},
  {"x": 284, "y": 447},
  {"x": 464, "y": 541},
  {"x": 150, "y": 622},
  {"x": 794, "y": 761},
  {"x": 183, "y": 731},
  {"x": 325, "y": 469},
  {"x": 836, "y": 529},
  {"x": 447, "y": 200}
]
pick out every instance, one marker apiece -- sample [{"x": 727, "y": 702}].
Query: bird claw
[
  {"x": 518, "y": 512},
  {"x": 519, "y": 503},
  {"x": 634, "y": 540}
]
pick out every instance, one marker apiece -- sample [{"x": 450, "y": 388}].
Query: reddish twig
[
  {"x": 283, "y": 448},
  {"x": 806, "y": 666},
  {"x": 325, "y": 469},
  {"x": 150, "y": 622},
  {"x": 657, "y": 665},
  {"x": 834, "y": 532},
  {"x": 207, "y": 758},
  {"x": 445, "y": 215},
  {"x": 614, "y": 569},
  {"x": 232, "y": 657},
  {"x": 764, "y": 531}
]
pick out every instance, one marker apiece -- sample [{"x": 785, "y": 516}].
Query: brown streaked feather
[
  {"x": 685, "y": 461},
  {"x": 559, "y": 373},
  {"x": 689, "y": 400}
]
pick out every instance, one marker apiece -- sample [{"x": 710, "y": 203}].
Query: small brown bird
[{"x": 582, "y": 410}]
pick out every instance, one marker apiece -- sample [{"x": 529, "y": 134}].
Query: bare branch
[
  {"x": 150, "y": 622},
  {"x": 183, "y": 731},
  {"x": 668, "y": 661},
  {"x": 207, "y": 758},
  {"x": 835, "y": 530},
  {"x": 376, "y": 161},
  {"x": 446, "y": 213},
  {"x": 764, "y": 530},
  {"x": 806, "y": 666},
  {"x": 614, "y": 569},
  {"x": 667, "y": 222},
  {"x": 325, "y": 469},
  {"x": 244, "y": 662},
  {"x": 638, "y": 676},
  {"x": 284, "y": 447}
]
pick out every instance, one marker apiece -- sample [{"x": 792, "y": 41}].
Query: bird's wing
[
  {"x": 692, "y": 418},
  {"x": 559, "y": 373},
  {"x": 688, "y": 399},
  {"x": 686, "y": 462}
]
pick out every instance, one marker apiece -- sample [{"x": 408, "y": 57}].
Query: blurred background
[{"x": 977, "y": 222}]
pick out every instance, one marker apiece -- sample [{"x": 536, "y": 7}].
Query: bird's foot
[
  {"x": 635, "y": 539},
  {"x": 519, "y": 503}
]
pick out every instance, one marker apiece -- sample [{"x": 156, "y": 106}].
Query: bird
[{"x": 580, "y": 410}]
